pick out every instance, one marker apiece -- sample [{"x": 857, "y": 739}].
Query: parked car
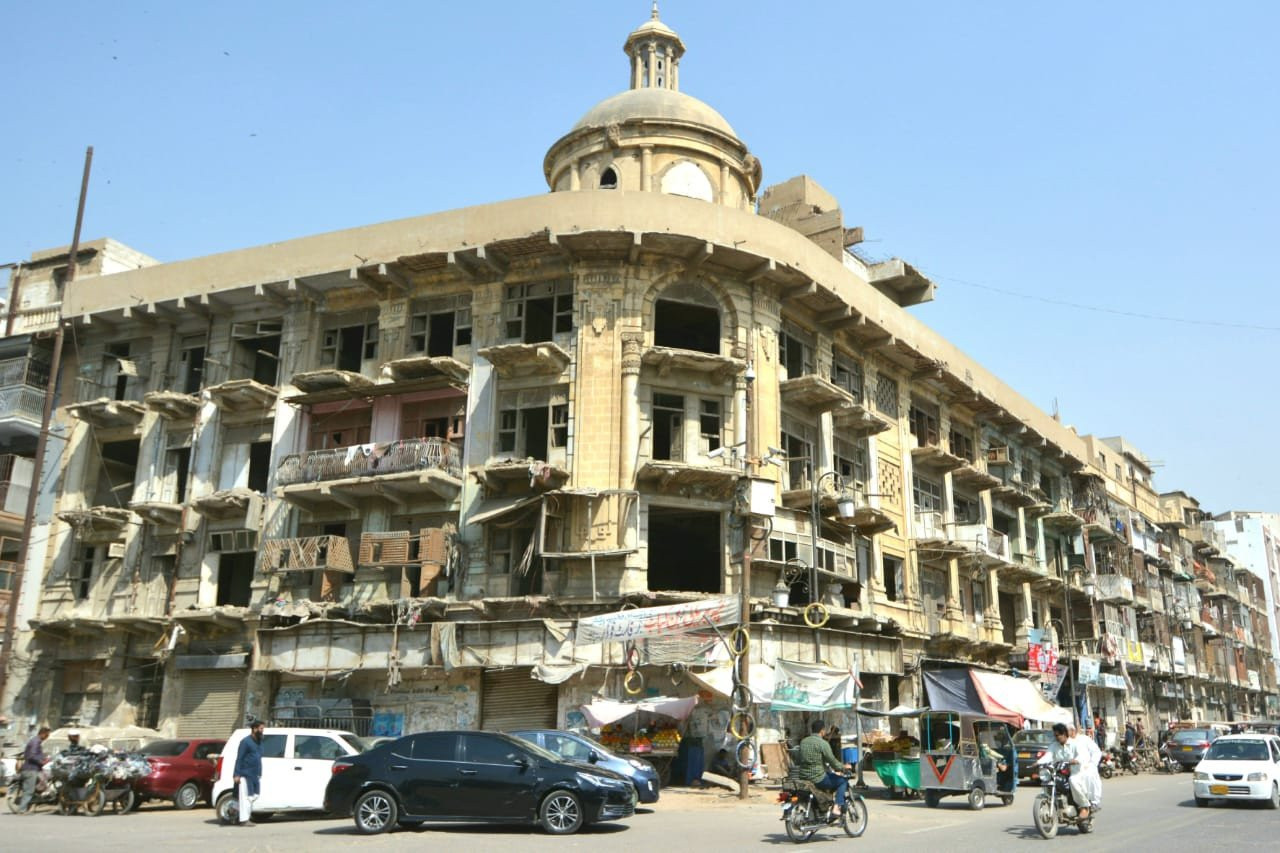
[
  {"x": 296, "y": 765},
  {"x": 575, "y": 747},
  {"x": 474, "y": 777},
  {"x": 181, "y": 770},
  {"x": 1031, "y": 744},
  {"x": 1188, "y": 746},
  {"x": 1239, "y": 767}
]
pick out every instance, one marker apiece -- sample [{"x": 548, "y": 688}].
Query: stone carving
[
  {"x": 632, "y": 343},
  {"x": 613, "y": 134}
]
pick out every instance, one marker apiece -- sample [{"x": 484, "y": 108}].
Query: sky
[{"x": 1091, "y": 185}]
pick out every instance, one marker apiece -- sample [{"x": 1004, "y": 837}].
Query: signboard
[
  {"x": 659, "y": 621},
  {"x": 1088, "y": 670},
  {"x": 1179, "y": 656},
  {"x": 1042, "y": 658},
  {"x": 1111, "y": 681},
  {"x": 811, "y": 687}
]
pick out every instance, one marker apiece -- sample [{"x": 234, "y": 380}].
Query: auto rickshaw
[{"x": 968, "y": 755}]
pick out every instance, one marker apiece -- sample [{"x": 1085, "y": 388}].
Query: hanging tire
[
  {"x": 227, "y": 808},
  {"x": 798, "y": 823},
  {"x": 375, "y": 812},
  {"x": 854, "y": 817},
  {"x": 186, "y": 797},
  {"x": 977, "y": 798},
  {"x": 1045, "y": 816},
  {"x": 740, "y": 698},
  {"x": 561, "y": 813}
]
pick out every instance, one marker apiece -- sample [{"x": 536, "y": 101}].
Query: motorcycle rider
[
  {"x": 817, "y": 764},
  {"x": 1068, "y": 751},
  {"x": 1090, "y": 755}
]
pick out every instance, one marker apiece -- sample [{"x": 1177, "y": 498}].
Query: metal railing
[
  {"x": 22, "y": 401},
  {"x": 24, "y": 371},
  {"x": 986, "y": 539},
  {"x": 370, "y": 460},
  {"x": 358, "y": 721}
]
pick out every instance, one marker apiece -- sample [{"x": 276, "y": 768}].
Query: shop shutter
[
  {"x": 212, "y": 701},
  {"x": 511, "y": 699}
]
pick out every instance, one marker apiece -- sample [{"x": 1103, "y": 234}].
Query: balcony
[
  {"x": 328, "y": 380},
  {"x": 1101, "y": 525},
  {"x": 427, "y": 370},
  {"x": 970, "y": 475},
  {"x": 815, "y": 393},
  {"x": 1115, "y": 589},
  {"x": 990, "y": 546},
  {"x": 931, "y": 530},
  {"x": 930, "y": 455},
  {"x": 172, "y": 405},
  {"x": 313, "y": 553},
  {"x": 99, "y": 524},
  {"x": 515, "y": 361},
  {"x": 718, "y": 367},
  {"x": 108, "y": 406},
  {"x": 684, "y": 478},
  {"x": 30, "y": 321},
  {"x": 232, "y": 503},
  {"x": 856, "y": 418},
  {"x": 398, "y": 472},
  {"x": 242, "y": 396},
  {"x": 1062, "y": 517},
  {"x": 159, "y": 513}
]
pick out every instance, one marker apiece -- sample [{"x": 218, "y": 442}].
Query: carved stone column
[{"x": 632, "y": 342}]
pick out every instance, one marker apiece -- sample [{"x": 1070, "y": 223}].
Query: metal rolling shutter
[
  {"x": 211, "y": 702},
  {"x": 512, "y": 699}
]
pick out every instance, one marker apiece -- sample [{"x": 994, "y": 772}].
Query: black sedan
[
  {"x": 575, "y": 747},
  {"x": 1031, "y": 744},
  {"x": 473, "y": 777}
]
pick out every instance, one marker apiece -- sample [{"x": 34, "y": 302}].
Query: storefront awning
[
  {"x": 1018, "y": 697},
  {"x": 602, "y": 712}
]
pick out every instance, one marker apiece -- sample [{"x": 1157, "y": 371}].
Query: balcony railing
[
  {"x": 27, "y": 321},
  {"x": 370, "y": 460},
  {"x": 22, "y": 401},
  {"x": 24, "y": 371},
  {"x": 989, "y": 541}
]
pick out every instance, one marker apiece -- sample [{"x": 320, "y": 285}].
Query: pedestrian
[
  {"x": 1100, "y": 732},
  {"x": 248, "y": 773},
  {"x": 1130, "y": 733},
  {"x": 33, "y": 761}
]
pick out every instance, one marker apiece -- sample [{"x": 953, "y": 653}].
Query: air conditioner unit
[
  {"x": 997, "y": 455},
  {"x": 234, "y": 540}
]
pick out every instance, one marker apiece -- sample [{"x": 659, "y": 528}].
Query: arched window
[
  {"x": 686, "y": 316},
  {"x": 685, "y": 178},
  {"x": 609, "y": 179}
]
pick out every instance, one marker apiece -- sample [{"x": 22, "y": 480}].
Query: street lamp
[
  {"x": 845, "y": 508},
  {"x": 1068, "y": 622}
]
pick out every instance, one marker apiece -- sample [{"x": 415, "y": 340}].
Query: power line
[{"x": 1101, "y": 310}]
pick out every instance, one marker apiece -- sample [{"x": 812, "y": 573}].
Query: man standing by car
[
  {"x": 33, "y": 761},
  {"x": 248, "y": 772}
]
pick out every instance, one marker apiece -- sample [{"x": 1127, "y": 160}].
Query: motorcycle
[
  {"x": 1166, "y": 762},
  {"x": 1053, "y": 807},
  {"x": 45, "y": 794},
  {"x": 1106, "y": 765},
  {"x": 1126, "y": 759},
  {"x": 807, "y": 808}
]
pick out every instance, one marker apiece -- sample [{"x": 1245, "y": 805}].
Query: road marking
[
  {"x": 931, "y": 828},
  {"x": 1139, "y": 791}
]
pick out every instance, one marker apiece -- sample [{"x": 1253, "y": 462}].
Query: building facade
[{"x": 376, "y": 476}]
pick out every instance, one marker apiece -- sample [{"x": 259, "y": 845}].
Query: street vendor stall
[{"x": 647, "y": 728}]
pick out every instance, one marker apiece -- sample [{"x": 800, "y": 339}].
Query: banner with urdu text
[{"x": 641, "y": 622}]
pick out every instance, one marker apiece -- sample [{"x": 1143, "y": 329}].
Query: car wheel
[
  {"x": 186, "y": 797},
  {"x": 1274, "y": 802},
  {"x": 375, "y": 811},
  {"x": 932, "y": 798},
  {"x": 1201, "y": 802},
  {"x": 561, "y": 813},
  {"x": 228, "y": 808}
]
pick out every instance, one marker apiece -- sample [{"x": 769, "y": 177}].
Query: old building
[{"x": 376, "y": 476}]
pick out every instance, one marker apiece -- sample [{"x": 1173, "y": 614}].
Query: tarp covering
[
  {"x": 602, "y": 712},
  {"x": 720, "y": 680},
  {"x": 1017, "y": 697},
  {"x": 952, "y": 690},
  {"x": 811, "y": 687},
  {"x": 671, "y": 619}
]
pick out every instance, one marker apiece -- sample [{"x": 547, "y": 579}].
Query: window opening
[
  {"x": 342, "y": 428},
  {"x": 710, "y": 425},
  {"x": 846, "y": 373},
  {"x": 682, "y": 325},
  {"x": 441, "y": 325},
  {"x": 887, "y": 396},
  {"x": 961, "y": 444},
  {"x": 668, "y": 427},
  {"x": 346, "y": 347},
  {"x": 926, "y": 494},
  {"x": 894, "y": 582},
  {"x": 536, "y": 312},
  {"x": 256, "y": 351},
  {"x": 794, "y": 352},
  {"x": 192, "y": 363},
  {"x": 533, "y": 422},
  {"x": 609, "y": 179},
  {"x": 852, "y": 460},
  {"x": 81, "y": 573},
  {"x": 259, "y": 465},
  {"x": 685, "y": 550},
  {"x": 924, "y": 422},
  {"x": 797, "y": 440},
  {"x": 235, "y": 575}
]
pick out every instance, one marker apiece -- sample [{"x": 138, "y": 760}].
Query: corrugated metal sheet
[
  {"x": 211, "y": 702},
  {"x": 513, "y": 699}
]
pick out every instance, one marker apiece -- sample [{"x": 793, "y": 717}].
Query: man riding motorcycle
[
  {"x": 817, "y": 764},
  {"x": 1090, "y": 755},
  {"x": 1068, "y": 750}
]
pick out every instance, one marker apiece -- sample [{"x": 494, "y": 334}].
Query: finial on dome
[
  {"x": 655, "y": 52},
  {"x": 654, "y": 16}
]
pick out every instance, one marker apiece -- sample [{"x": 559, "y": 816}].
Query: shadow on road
[
  {"x": 600, "y": 829},
  {"x": 1222, "y": 804},
  {"x": 1024, "y": 833},
  {"x": 781, "y": 838}
]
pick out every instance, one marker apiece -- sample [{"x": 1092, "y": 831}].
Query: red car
[{"x": 181, "y": 770}]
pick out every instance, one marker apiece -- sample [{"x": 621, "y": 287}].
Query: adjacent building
[{"x": 376, "y": 476}]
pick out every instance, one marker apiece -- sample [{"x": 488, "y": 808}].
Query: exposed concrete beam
[
  {"x": 454, "y": 262},
  {"x": 795, "y": 292},
  {"x": 554, "y": 239},
  {"x": 392, "y": 274},
  {"x": 840, "y": 318},
  {"x": 633, "y": 253},
  {"x": 98, "y": 321},
  {"x": 764, "y": 269},
  {"x": 185, "y": 303},
  {"x": 361, "y": 276},
  {"x": 304, "y": 290},
  {"x": 700, "y": 256},
  {"x": 214, "y": 304},
  {"x": 131, "y": 312},
  {"x": 345, "y": 500},
  {"x": 165, "y": 313},
  {"x": 887, "y": 342},
  {"x": 261, "y": 291},
  {"x": 496, "y": 264}
]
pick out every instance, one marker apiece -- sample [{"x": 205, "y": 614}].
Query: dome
[{"x": 654, "y": 104}]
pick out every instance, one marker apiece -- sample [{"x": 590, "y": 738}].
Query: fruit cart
[{"x": 648, "y": 729}]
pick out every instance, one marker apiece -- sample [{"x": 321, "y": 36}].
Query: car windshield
[
  {"x": 1033, "y": 736},
  {"x": 165, "y": 748},
  {"x": 1190, "y": 735},
  {"x": 357, "y": 743},
  {"x": 545, "y": 755},
  {"x": 1238, "y": 750}
]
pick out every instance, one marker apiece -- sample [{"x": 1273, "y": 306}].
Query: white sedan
[{"x": 1240, "y": 767}]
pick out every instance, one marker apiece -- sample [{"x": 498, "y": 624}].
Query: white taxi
[{"x": 1239, "y": 767}]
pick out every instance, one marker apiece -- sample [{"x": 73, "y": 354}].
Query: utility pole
[
  {"x": 744, "y": 584},
  {"x": 37, "y": 470}
]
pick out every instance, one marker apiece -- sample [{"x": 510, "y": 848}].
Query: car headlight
[
  {"x": 601, "y": 781},
  {"x": 637, "y": 764},
  {"x": 1256, "y": 777},
  {"x": 1201, "y": 777}
]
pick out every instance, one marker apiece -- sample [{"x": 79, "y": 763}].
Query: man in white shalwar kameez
[{"x": 1090, "y": 755}]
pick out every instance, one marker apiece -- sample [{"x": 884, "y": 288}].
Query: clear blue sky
[{"x": 1114, "y": 155}]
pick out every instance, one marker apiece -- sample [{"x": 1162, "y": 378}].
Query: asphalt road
[{"x": 1147, "y": 812}]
